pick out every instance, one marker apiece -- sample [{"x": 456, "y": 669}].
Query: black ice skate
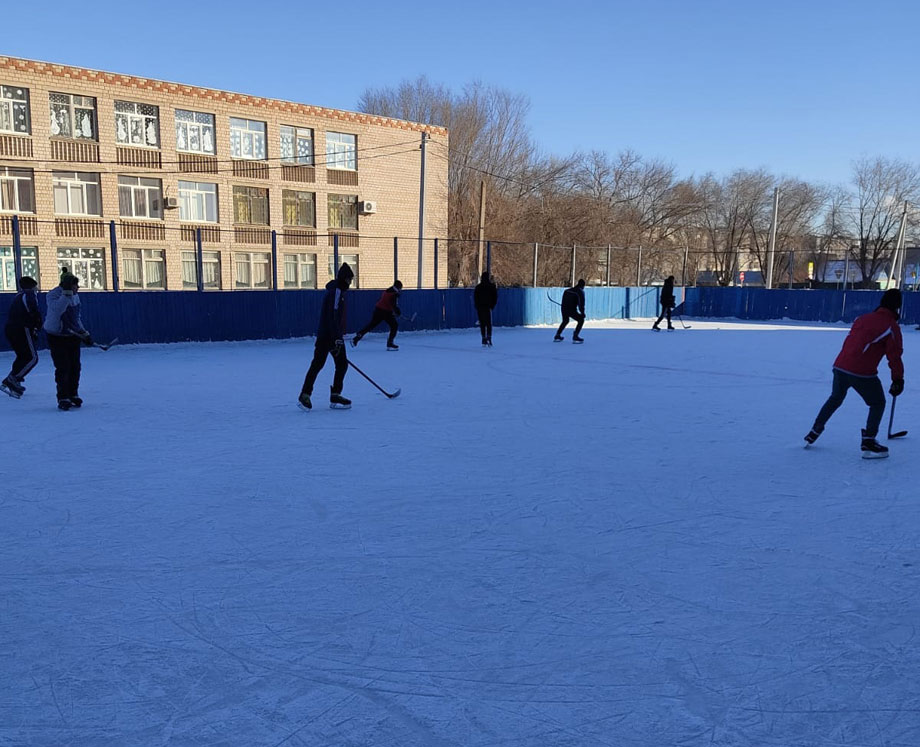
[
  {"x": 558, "y": 338},
  {"x": 64, "y": 404},
  {"x": 577, "y": 340},
  {"x": 489, "y": 342},
  {"x": 812, "y": 436},
  {"x": 872, "y": 449},
  {"x": 392, "y": 346},
  {"x": 356, "y": 339},
  {"x": 338, "y": 402},
  {"x": 12, "y": 387},
  {"x": 304, "y": 403},
  {"x": 76, "y": 402}
]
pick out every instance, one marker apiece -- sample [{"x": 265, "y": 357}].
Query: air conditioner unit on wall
[
  {"x": 171, "y": 203},
  {"x": 367, "y": 207}
]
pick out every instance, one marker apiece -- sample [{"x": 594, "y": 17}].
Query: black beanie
[
  {"x": 345, "y": 272},
  {"x": 68, "y": 281},
  {"x": 27, "y": 283},
  {"x": 891, "y": 299}
]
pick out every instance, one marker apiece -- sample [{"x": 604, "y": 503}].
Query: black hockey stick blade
[
  {"x": 389, "y": 395},
  {"x": 899, "y": 434},
  {"x": 553, "y": 300},
  {"x": 105, "y": 347}
]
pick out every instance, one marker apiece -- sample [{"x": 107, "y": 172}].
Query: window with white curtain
[
  {"x": 297, "y": 145},
  {"x": 73, "y": 116},
  {"x": 341, "y": 151},
  {"x": 351, "y": 259},
  {"x": 299, "y": 270},
  {"x": 253, "y": 269},
  {"x": 139, "y": 197},
  {"x": 198, "y": 202},
  {"x": 76, "y": 193},
  {"x": 195, "y": 132},
  {"x": 137, "y": 124},
  {"x": 210, "y": 264},
  {"x": 144, "y": 269},
  {"x": 342, "y": 211}
]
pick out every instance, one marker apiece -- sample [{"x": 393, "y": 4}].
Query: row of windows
[
  {"x": 145, "y": 269},
  {"x": 80, "y": 193},
  {"x": 136, "y": 124}
]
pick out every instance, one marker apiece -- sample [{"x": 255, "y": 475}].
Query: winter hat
[
  {"x": 891, "y": 300},
  {"x": 485, "y": 277},
  {"x": 69, "y": 282},
  {"x": 398, "y": 285},
  {"x": 581, "y": 283},
  {"x": 27, "y": 283},
  {"x": 345, "y": 272}
]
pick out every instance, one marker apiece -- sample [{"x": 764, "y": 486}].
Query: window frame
[
  {"x": 133, "y": 190},
  {"x": 132, "y": 117},
  {"x": 10, "y": 103},
  {"x": 70, "y": 183},
  {"x": 144, "y": 257},
  {"x": 251, "y": 134},
  {"x": 295, "y": 158},
  {"x": 240, "y": 197},
  {"x": 72, "y": 107},
  {"x": 338, "y": 151},
  {"x": 15, "y": 178},
  {"x": 80, "y": 265},
  {"x": 295, "y": 194},
  {"x": 350, "y": 200},
  {"x": 201, "y": 127},
  {"x": 299, "y": 263},
  {"x": 189, "y": 196},
  {"x": 353, "y": 262},
  {"x": 209, "y": 258},
  {"x": 251, "y": 264},
  {"x": 28, "y": 265}
]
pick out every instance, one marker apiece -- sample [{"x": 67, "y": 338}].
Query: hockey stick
[
  {"x": 685, "y": 326},
  {"x": 394, "y": 395},
  {"x": 553, "y": 300},
  {"x": 104, "y": 347},
  {"x": 899, "y": 434}
]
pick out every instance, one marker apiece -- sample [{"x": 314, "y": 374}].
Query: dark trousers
[
  {"x": 380, "y": 315},
  {"x": 665, "y": 312},
  {"x": 320, "y": 353},
  {"x": 23, "y": 343},
  {"x": 65, "y": 353},
  {"x": 485, "y": 323},
  {"x": 870, "y": 389},
  {"x": 566, "y": 316}
]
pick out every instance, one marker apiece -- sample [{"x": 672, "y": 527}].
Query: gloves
[
  {"x": 87, "y": 339},
  {"x": 339, "y": 348},
  {"x": 398, "y": 312},
  {"x": 897, "y": 386}
]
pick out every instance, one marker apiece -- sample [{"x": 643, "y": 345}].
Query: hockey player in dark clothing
[
  {"x": 573, "y": 307},
  {"x": 330, "y": 333},
  {"x": 386, "y": 310},
  {"x": 667, "y": 302},
  {"x": 872, "y": 336},
  {"x": 65, "y": 331},
  {"x": 484, "y": 299},
  {"x": 22, "y": 327}
]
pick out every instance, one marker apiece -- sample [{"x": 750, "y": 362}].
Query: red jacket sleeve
[{"x": 894, "y": 347}]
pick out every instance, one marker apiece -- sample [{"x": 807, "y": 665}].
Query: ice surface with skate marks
[{"x": 617, "y": 543}]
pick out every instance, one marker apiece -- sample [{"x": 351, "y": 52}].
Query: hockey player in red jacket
[
  {"x": 386, "y": 310},
  {"x": 872, "y": 336}
]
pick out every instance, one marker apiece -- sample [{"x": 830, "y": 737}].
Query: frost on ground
[{"x": 619, "y": 543}]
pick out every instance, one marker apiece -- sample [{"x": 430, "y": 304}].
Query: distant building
[{"x": 80, "y": 148}]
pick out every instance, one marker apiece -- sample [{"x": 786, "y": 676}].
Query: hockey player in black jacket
[
  {"x": 573, "y": 307},
  {"x": 22, "y": 327},
  {"x": 330, "y": 334},
  {"x": 484, "y": 299}
]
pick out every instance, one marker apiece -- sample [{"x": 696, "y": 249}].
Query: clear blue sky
[{"x": 801, "y": 88}]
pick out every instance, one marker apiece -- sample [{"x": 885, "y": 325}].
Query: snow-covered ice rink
[{"x": 620, "y": 543}]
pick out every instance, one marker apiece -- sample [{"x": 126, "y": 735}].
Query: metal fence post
[
  {"x": 274, "y": 260},
  {"x": 489, "y": 257},
  {"x": 683, "y": 272},
  {"x": 573, "y": 264},
  {"x": 17, "y": 252},
  {"x": 435, "y": 264},
  {"x": 608, "y": 265},
  {"x": 199, "y": 260},
  {"x": 335, "y": 255},
  {"x": 395, "y": 258},
  {"x": 113, "y": 242},
  {"x": 791, "y": 268},
  {"x": 536, "y": 250},
  {"x": 639, "y": 268}
]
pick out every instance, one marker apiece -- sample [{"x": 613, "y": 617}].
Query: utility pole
[
  {"x": 421, "y": 210},
  {"x": 482, "y": 219},
  {"x": 898, "y": 251},
  {"x": 770, "y": 253}
]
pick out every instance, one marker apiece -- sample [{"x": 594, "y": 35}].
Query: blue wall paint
[{"x": 177, "y": 316}]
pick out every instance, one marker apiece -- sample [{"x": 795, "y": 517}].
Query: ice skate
[
  {"x": 304, "y": 403},
  {"x": 872, "y": 449},
  {"x": 338, "y": 402},
  {"x": 11, "y": 387},
  {"x": 577, "y": 340}
]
